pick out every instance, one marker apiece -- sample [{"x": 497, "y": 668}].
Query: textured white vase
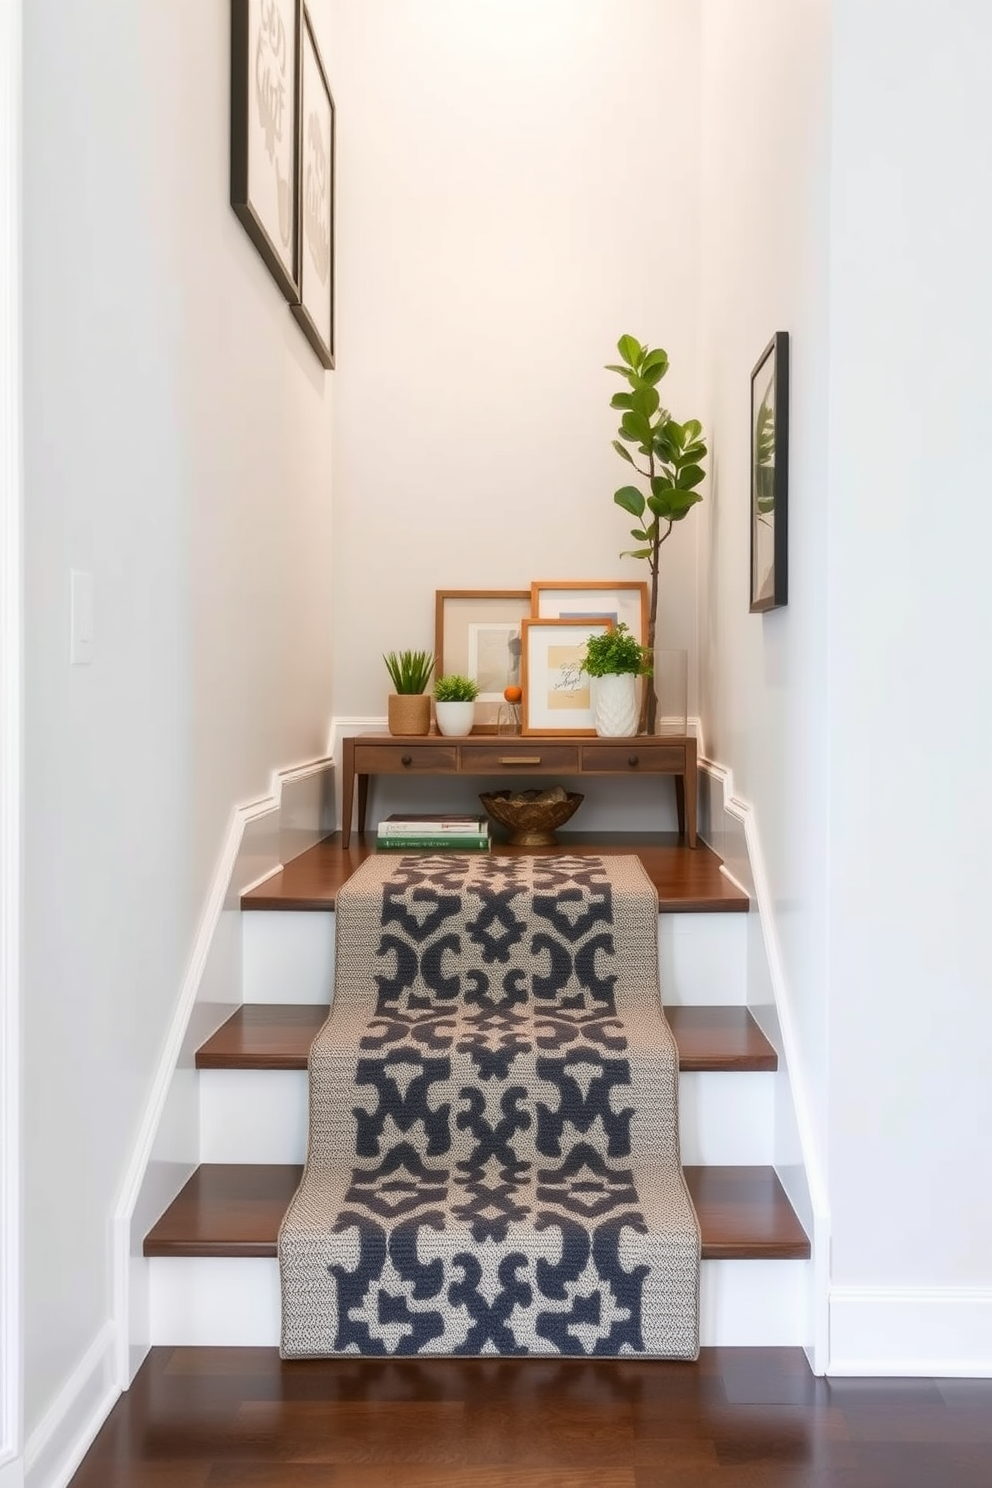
[
  {"x": 615, "y": 705},
  {"x": 454, "y": 718}
]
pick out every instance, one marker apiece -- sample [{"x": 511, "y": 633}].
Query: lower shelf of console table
[{"x": 487, "y": 754}]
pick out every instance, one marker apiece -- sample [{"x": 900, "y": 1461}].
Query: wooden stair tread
[
  {"x": 276, "y": 1036},
  {"x": 234, "y": 1209},
  {"x": 688, "y": 880}
]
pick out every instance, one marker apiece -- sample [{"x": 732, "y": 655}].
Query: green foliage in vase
[
  {"x": 616, "y": 651},
  {"x": 410, "y": 671},
  {"x": 455, "y": 689},
  {"x": 666, "y": 454}
]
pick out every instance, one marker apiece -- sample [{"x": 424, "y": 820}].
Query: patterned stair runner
[{"x": 493, "y": 1162}]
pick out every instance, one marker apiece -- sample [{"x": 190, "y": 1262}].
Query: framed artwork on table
[
  {"x": 770, "y": 476},
  {"x": 477, "y": 635},
  {"x": 265, "y": 55},
  {"x": 557, "y": 691},
  {"x": 618, "y": 600},
  {"x": 314, "y": 305}
]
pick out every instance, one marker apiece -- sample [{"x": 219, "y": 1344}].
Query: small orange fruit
[{"x": 512, "y": 694}]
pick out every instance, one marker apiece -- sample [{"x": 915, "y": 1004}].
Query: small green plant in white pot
[
  {"x": 454, "y": 704},
  {"x": 408, "y": 708},
  {"x": 614, "y": 660}
]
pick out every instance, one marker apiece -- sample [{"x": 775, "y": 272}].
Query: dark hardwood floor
[
  {"x": 739, "y": 1418},
  {"x": 687, "y": 880}
]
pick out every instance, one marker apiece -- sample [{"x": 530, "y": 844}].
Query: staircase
[{"x": 212, "y": 1254}]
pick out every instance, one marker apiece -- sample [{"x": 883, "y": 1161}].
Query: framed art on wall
[
  {"x": 265, "y": 43},
  {"x": 770, "y": 476},
  {"x": 477, "y": 635},
  {"x": 557, "y": 691},
  {"x": 314, "y": 307},
  {"x": 618, "y": 600}
]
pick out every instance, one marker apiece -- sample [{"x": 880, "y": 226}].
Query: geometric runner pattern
[{"x": 493, "y": 1161}]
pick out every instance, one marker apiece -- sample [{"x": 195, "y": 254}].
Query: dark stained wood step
[
  {"x": 278, "y": 1036},
  {"x": 688, "y": 880},
  {"x": 234, "y": 1209}
]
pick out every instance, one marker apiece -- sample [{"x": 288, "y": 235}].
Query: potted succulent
[
  {"x": 454, "y": 704},
  {"x": 614, "y": 660},
  {"x": 669, "y": 457},
  {"x": 409, "y": 707}
]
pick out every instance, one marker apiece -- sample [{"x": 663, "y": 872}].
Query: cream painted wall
[
  {"x": 763, "y": 698},
  {"x": 517, "y": 186},
  {"x": 911, "y": 618},
  {"x": 177, "y": 446}
]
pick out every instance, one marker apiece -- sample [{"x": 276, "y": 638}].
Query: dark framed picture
[
  {"x": 265, "y": 131},
  {"x": 314, "y": 305},
  {"x": 770, "y": 476}
]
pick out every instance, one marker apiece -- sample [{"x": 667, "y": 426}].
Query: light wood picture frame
[
  {"x": 477, "y": 635},
  {"x": 618, "y": 600},
  {"x": 557, "y": 691}
]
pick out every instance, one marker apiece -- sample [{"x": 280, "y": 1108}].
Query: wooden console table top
[{"x": 507, "y": 756}]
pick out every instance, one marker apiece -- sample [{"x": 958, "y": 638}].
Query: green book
[{"x": 435, "y": 842}]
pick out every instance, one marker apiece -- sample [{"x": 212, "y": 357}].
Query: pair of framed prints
[
  {"x": 282, "y": 157},
  {"x": 533, "y": 639}
]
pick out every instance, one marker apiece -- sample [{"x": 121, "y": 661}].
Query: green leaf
[
  {"x": 652, "y": 374},
  {"x": 612, "y": 367},
  {"x": 640, "y": 534},
  {"x": 638, "y": 553},
  {"x": 660, "y": 483},
  {"x": 635, "y": 428},
  {"x": 631, "y": 351},
  {"x": 675, "y": 434},
  {"x": 682, "y": 503},
  {"x": 664, "y": 449},
  {"x": 623, "y": 451},
  {"x": 656, "y": 361},
  {"x": 631, "y": 499},
  {"x": 645, "y": 400},
  {"x": 661, "y": 505},
  {"x": 622, "y": 400},
  {"x": 689, "y": 476},
  {"x": 693, "y": 428},
  {"x": 695, "y": 453}
]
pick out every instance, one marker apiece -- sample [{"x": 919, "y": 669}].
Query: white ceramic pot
[
  {"x": 454, "y": 718},
  {"x": 615, "y": 705}
]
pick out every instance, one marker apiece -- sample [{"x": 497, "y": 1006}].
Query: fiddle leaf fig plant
[{"x": 666, "y": 455}]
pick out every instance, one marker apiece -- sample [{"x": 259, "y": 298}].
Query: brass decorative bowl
[{"x": 531, "y": 816}]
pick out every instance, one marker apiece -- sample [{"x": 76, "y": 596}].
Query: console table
[{"x": 510, "y": 755}]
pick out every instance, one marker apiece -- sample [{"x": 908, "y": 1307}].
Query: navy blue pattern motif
[{"x": 493, "y": 1164}]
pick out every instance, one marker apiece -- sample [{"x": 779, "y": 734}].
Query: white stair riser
[
  {"x": 236, "y": 1303},
  {"x": 289, "y": 957},
  {"x": 261, "y": 1116}
]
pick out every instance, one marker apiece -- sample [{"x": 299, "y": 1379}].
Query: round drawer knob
[
  {"x": 406, "y": 760},
  {"x": 633, "y": 760}
]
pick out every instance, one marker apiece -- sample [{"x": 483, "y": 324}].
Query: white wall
[
  {"x": 910, "y": 621},
  {"x": 517, "y": 187},
  {"x": 763, "y": 701},
  {"x": 177, "y": 442}
]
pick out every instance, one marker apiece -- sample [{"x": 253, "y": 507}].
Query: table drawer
[
  {"x": 520, "y": 758},
  {"x": 405, "y": 759},
  {"x": 634, "y": 758}
]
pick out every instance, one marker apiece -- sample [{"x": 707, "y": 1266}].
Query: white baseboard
[
  {"x": 911, "y": 1331},
  {"x": 68, "y": 1428}
]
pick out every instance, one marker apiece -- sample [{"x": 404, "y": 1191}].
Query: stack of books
[{"x": 434, "y": 831}]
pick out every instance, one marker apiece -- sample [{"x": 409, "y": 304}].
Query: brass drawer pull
[
  {"x": 633, "y": 761},
  {"x": 520, "y": 759},
  {"x": 406, "y": 760}
]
